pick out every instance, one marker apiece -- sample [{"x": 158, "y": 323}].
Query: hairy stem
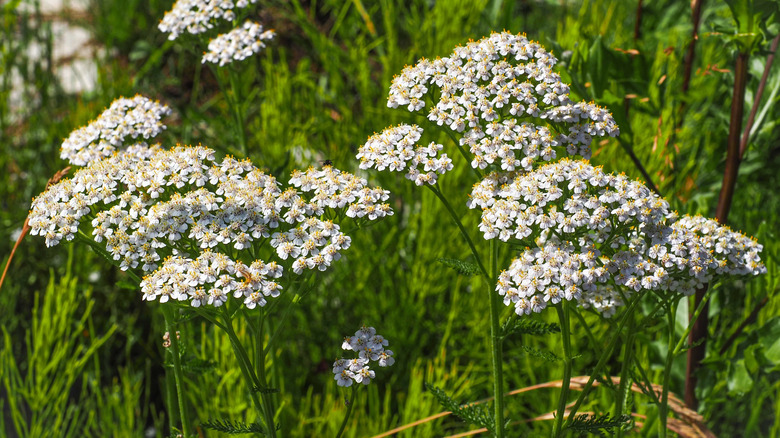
[
  {"x": 350, "y": 403},
  {"x": 663, "y": 408},
  {"x": 170, "y": 327},
  {"x": 246, "y": 370},
  {"x": 463, "y": 232},
  {"x": 563, "y": 317},
  {"x": 496, "y": 346},
  {"x": 625, "y": 371}
]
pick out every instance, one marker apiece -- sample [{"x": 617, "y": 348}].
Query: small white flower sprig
[
  {"x": 370, "y": 348},
  {"x": 238, "y": 44},
  {"x": 501, "y": 98},
  {"x": 394, "y": 149},
  {"x": 198, "y": 16},
  {"x": 126, "y": 118},
  {"x": 594, "y": 229},
  {"x": 206, "y": 220}
]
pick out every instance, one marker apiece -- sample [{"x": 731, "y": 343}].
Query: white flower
[
  {"x": 395, "y": 149},
  {"x": 497, "y": 95},
  {"x": 238, "y": 44},
  {"x": 198, "y": 16},
  {"x": 125, "y": 118},
  {"x": 175, "y": 214},
  {"x": 370, "y": 348}
]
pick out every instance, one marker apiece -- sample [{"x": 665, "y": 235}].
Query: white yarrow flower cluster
[
  {"x": 198, "y": 16},
  {"x": 598, "y": 232},
  {"x": 370, "y": 348},
  {"x": 126, "y": 118},
  {"x": 175, "y": 214},
  {"x": 499, "y": 94},
  {"x": 335, "y": 189},
  {"x": 238, "y": 44},
  {"x": 395, "y": 149}
]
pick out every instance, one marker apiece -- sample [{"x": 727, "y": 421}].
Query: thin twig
[{"x": 761, "y": 85}]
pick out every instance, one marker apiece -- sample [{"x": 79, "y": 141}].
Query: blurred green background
[{"x": 81, "y": 353}]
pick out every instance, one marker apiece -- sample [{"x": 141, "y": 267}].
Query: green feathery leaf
[
  {"x": 540, "y": 354},
  {"x": 526, "y": 326},
  {"x": 598, "y": 425},
  {"x": 233, "y": 428},
  {"x": 463, "y": 268},
  {"x": 478, "y": 415}
]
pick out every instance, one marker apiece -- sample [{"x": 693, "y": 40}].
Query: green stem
[
  {"x": 563, "y": 317},
  {"x": 246, "y": 369},
  {"x": 496, "y": 344},
  {"x": 349, "y": 410},
  {"x": 463, "y": 231},
  {"x": 170, "y": 326},
  {"x": 602, "y": 360},
  {"x": 235, "y": 103},
  {"x": 663, "y": 408},
  {"x": 628, "y": 361}
]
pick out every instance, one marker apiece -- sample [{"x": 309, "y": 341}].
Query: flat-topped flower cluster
[
  {"x": 593, "y": 229},
  {"x": 500, "y": 96},
  {"x": 198, "y": 16},
  {"x": 587, "y": 235},
  {"x": 370, "y": 348},
  {"x": 238, "y": 44},
  {"x": 196, "y": 225},
  {"x": 126, "y": 118}
]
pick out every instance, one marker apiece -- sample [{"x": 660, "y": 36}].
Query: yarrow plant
[
  {"x": 370, "y": 347},
  {"x": 582, "y": 235},
  {"x": 200, "y": 230},
  {"x": 224, "y": 52}
]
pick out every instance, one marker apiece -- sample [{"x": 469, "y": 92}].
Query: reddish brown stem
[
  {"x": 638, "y": 22},
  {"x": 696, "y": 6},
  {"x": 701, "y": 325},
  {"x": 754, "y": 109}
]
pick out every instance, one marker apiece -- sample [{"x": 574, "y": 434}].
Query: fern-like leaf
[
  {"x": 465, "y": 269},
  {"x": 540, "y": 354},
  {"x": 599, "y": 425},
  {"x": 474, "y": 414},
  {"x": 234, "y": 428},
  {"x": 527, "y": 326}
]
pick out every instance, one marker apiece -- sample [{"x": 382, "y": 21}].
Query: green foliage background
[{"x": 318, "y": 92}]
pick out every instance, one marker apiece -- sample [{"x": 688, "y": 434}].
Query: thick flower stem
[
  {"x": 563, "y": 316},
  {"x": 170, "y": 326},
  {"x": 350, "y": 403},
  {"x": 249, "y": 376},
  {"x": 496, "y": 343}
]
